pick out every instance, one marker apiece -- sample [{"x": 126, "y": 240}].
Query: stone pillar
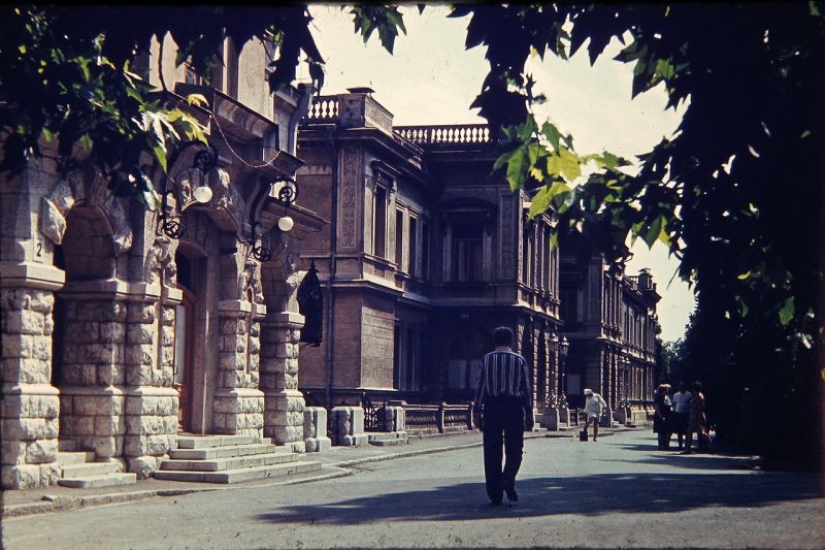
[
  {"x": 238, "y": 407},
  {"x": 284, "y": 416},
  {"x": 29, "y": 404},
  {"x": 315, "y": 430},
  {"x": 348, "y": 426},
  {"x": 93, "y": 382},
  {"x": 151, "y": 404}
]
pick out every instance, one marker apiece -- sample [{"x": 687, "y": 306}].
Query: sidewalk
[{"x": 336, "y": 462}]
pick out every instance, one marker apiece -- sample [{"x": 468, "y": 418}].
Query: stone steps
[
  {"x": 107, "y": 480},
  {"x": 222, "y": 452},
  {"x": 80, "y": 471},
  {"x": 240, "y": 475},
  {"x": 229, "y": 463},
  {"x": 230, "y": 459}
]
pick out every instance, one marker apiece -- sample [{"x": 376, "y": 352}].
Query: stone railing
[
  {"x": 323, "y": 108},
  {"x": 457, "y": 134},
  {"x": 441, "y": 418}
]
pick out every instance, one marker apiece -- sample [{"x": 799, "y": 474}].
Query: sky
[{"x": 432, "y": 79}]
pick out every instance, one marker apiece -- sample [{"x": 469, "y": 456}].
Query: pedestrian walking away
[
  {"x": 504, "y": 407},
  {"x": 681, "y": 409},
  {"x": 593, "y": 406},
  {"x": 662, "y": 420}
]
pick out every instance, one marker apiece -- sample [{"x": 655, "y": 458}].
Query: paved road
[{"x": 619, "y": 492}]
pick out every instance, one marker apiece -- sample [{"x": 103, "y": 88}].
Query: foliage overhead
[{"x": 72, "y": 74}]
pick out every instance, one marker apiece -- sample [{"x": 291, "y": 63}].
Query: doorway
[{"x": 186, "y": 320}]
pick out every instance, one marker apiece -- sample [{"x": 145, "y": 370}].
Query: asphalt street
[{"x": 619, "y": 492}]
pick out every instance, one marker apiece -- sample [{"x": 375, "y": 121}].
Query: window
[
  {"x": 468, "y": 252},
  {"x": 191, "y": 76},
  {"x": 425, "y": 251},
  {"x": 379, "y": 222},
  {"x": 399, "y": 239},
  {"x": 413, "y": 269}
]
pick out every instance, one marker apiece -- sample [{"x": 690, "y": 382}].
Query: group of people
[{"x": 683, "y": 414}]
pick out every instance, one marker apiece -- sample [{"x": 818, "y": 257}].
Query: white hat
[{"x": 588, "y": 391}]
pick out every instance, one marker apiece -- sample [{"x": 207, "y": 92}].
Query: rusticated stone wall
[
  {"x": 30, "y": 407},
  {"x": 238, "y": 407},
  {"x": 284, "y": 413}
]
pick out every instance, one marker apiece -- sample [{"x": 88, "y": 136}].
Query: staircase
[
  {"x": 231, "y": 459},
  {"x": 80, "y": 471}
]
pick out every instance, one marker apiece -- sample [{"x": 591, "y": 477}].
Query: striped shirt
[{"x": 504, "y": 372}]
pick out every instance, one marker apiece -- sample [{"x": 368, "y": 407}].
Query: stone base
[
  {"x": 383, "y": 439},
  {"x": 549, "y": 419},
  {"x": 348, "y": 426},
  {"x": 238, "y": 411},
  {"x": 284, "y": 417},
  {"x": 315, "y": 430}
]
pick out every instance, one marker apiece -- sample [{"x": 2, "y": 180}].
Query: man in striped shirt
[{"x": 504, "y": 406}]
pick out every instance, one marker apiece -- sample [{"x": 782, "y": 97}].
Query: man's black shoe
[{"x": 512, "y": 496}]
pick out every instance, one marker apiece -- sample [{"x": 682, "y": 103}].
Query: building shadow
[{"x": 643, "y": 493}]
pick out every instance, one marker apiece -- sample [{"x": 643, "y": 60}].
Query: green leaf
[
  {"x": 517, "y": 168},
  {"x": 551, "y": 132},
  {"x": 569, "y": 164},
  {"x": 554, "y": 194},
  {"x": 787, "y": 312},
  {"x": 654, "y": 231}
]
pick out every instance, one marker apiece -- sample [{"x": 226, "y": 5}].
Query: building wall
[{"x": 93, "y": 294}]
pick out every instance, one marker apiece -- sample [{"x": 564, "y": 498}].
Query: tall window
[
  {"x": 468, "y": 252},
  {"x": 413, "y": 270},
  {"x": 425, "y": 251},
  {"x": 379, "y": 223},
  {"x": 399, "y": 239}
]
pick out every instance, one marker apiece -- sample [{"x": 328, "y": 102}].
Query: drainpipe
[
  {"x": 300, "y": 112},
  {"x": 333, "y": 251}
]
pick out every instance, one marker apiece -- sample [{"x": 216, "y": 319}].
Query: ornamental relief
[{"x": 84, "y": 185}]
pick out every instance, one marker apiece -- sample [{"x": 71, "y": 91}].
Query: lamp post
[
  {"x": 553, "y": 342},
  {"x": 564, "y": 346}
]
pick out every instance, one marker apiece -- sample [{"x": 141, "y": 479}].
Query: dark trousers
[{"x": 503, "y": 424}]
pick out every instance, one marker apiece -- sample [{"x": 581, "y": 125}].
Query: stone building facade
[
  {"x": 611, "y": 325},
  {"x": 426, "y": 252},
  {"x": 121, "y": 326}
]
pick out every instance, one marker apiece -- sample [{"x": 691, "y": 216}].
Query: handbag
[{"x": 583, "y": 435}]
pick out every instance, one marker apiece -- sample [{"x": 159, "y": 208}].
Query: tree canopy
[{"x": 736, "y": 194}]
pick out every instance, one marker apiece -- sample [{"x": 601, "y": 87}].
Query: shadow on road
[{"x": 591, "y": 495}]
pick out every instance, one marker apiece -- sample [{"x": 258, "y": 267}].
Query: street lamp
[
  {"x": 553, "y": 342},
  {"x": 564, "y": 346}
]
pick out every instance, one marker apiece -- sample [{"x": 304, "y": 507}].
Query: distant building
[{"x": 427, "y": 251}]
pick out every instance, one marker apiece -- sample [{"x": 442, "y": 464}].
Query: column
[
  {"x": 151, "y": 403},
  {"x": 30, "y": 405},
  {"x": 284, "y": 404},
  {"x": 238, "y": 408}
]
